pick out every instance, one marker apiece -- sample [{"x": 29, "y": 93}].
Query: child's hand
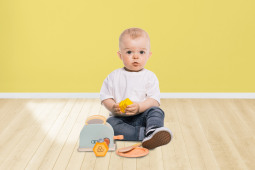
[
  {"x": 132, "y": 109},
  {"x": 116, "y": 109}
]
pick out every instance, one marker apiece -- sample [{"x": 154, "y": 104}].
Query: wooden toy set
[{"x": 98, "y": 136}]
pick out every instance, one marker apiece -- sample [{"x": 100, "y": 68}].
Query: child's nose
[{"x": 136, "y": 55}]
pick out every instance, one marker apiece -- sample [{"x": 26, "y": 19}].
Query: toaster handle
[{"x": 119, "y": 137}]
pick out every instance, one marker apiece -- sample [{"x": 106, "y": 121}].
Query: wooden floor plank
[
  {"x": 76, "y": 158},
  {"x": 8, "y": 109},
  {"x": 46, "y": 143},
  {"x": 246, "y": 111},
  {"x": 199, "y": 152},
  {"x": 143, "y": 163},
  {"x": 234, "y": 127},
  {"x": 219, "y": 139},
  {"x": 156, "y": 159},
  {"x": 175, "y": 154},
  {"x": 4, "y": 102},
  {"x": 62, "y": 136},
  {"x": 116, "y": 162},
  {"x": 88, "y": 161},
  {"x": 13, "y": 115},
  {"x": 12, "y": 137},
  {"x": 36, "y": 133},
  {"x": 71, "y": 143}
]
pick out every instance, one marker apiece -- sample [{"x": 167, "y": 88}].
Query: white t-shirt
[{"x": 137, "y": 86}]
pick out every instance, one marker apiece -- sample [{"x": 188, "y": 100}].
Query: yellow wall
[{"x": 70, "y": 46}]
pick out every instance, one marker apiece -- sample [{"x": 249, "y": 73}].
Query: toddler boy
[{"x": 143, "y": 120}]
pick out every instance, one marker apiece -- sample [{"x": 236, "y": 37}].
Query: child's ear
[
  {"x": 150, "y": 54},
  {"x": 119, "y": 54}
]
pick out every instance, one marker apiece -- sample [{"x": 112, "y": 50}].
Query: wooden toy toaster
[{"x": 96, "y": 128}]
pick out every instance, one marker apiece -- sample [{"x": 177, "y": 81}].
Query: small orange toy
[
  {"x": 134, "y": 153},
  {"x": 124, "y": 103},
  {"x": 100, "y": 148}
]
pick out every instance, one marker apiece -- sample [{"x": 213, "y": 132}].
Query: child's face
[{"x": 134, "y": 52}]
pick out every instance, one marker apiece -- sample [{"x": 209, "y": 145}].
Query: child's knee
[{"x": 156, "y": 110}]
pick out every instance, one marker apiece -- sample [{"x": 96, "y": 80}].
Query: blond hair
[{"x": 133, "y": 33}]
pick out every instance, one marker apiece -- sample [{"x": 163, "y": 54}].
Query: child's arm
[
  {"x": 112, "y": 106},
  {"x": 150, "y": 102},
  {"x": 137, "y": 108}
]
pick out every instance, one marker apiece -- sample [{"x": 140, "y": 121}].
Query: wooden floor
[{"x": 208, "y": 134}]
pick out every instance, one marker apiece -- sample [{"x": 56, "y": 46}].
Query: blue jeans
[{"x": 134, "y": 128}]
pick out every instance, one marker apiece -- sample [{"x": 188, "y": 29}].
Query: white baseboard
[
  {"x": 162, "y": 95},
  {"x": 49, "y": 95},
  {"x": 209, "y": 95}
]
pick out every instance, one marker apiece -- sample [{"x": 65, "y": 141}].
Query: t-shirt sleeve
[
  {"x": 106, "y": 91},
  {"x": 152, "y": 88}
]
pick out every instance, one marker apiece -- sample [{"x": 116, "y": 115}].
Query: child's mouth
[{"x": 135, "y": 63}]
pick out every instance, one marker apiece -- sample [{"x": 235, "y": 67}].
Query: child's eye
[
  {"x": 142, "y": 52},
  {"x": 129, "y": 52}
]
